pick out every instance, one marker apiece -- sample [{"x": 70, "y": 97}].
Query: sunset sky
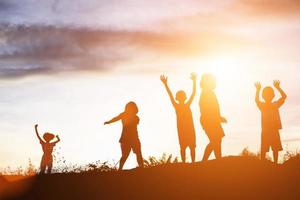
[{"x": 70, "y": 65}]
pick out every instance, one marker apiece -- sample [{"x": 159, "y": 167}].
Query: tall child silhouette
[
  {"x": 270, "y": 118},
  {"x": 129, "y": 137},
  {"x": 185, "y": 123},
  {"x": 211, "y": 118},
  {"x": 47, "y": 160}
]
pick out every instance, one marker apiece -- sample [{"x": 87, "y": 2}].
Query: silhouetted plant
[
  {"x": 101, "y": 166},
  {"x": 59, "y": 160},
  {"x": 291, "y": 155},
  {"x": 164, "y": 159},
  {"x": 31, "y": 170},
  {"x": 97, "y": 166},
  {"x": 247, "y": 153}
]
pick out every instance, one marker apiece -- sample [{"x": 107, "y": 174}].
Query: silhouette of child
[
  {"x": 211, "y": 118},
  {"x": 185, "y": 123},
  {"x": 270, "y": 118},
  {"x": 47, "y": 159},
  {"x": 129, "y": 137}
]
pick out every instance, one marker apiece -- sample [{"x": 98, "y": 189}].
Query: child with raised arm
[
  {"x": 129, "y": 138},
  {"x": 270, "y": 118},
  {"x": 47, "y": 147},
  {"x": 185, "y": 123}
]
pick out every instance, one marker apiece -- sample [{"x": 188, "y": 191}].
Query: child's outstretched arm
[
  {"x": 276, "y": 84},
  {"x": 164, "y": 80},
  {"x": 37, "y": 133},
  {"x": 57, "y": 141},
  {"x": 258, "y": 88},
  {"x": 117, "y": 118},
  {"x": 194, "y": 78}
]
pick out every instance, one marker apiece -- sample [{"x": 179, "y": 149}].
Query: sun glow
[{"x": 225, "y": 69}]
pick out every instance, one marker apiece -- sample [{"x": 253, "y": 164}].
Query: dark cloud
[
  {"x": 12, "y": 71},
  {"x": 29, "y": 45},
  {"x": 38, "y": 49},
  {"x": 126, "y": 14},
  {"x": 6, "y": 6}
]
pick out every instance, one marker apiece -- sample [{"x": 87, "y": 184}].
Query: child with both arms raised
[
  {"x": 270, "y": 122},
  {"x": 185, "y": 123}
]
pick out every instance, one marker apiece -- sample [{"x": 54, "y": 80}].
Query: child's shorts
[
  {"x": 134, "y": 146},
  {"x": 270, "y": 139},
  {"x": 214, "y": 133}
]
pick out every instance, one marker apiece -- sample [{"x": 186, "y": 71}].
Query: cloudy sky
[{"x": 70, "y": 65}]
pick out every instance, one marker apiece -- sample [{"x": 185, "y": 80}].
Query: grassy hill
[{"x": 227, "y": 178}]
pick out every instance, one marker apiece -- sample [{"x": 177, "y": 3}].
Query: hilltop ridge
[{"x": 227, "y": 178}]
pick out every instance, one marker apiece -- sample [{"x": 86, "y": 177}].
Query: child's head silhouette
[
  {"x": 48, "y": 137},
  {"x": 208, "y": 82},
  {"x": 268, "y": 94},
  {"x": 131, "y": 107},
  {"x": 181, "y": 96}
]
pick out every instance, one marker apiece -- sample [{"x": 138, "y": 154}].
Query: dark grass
[{"x": 240, "y": 177}]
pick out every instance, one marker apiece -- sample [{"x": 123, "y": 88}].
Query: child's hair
[
  {"x": 131, "y": 107},
  {"x": 180, "y": 95},
  {"x": 48, "y": 137},
  {"x": 268, "y": 93},
  {"x": 208, "y": 81}
]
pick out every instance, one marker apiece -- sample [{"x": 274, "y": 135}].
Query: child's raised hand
[
  {"x": 105, "y": 123},
  {"x": 164, "y": 79},
  {"x": 276, "y": 83},
  {"x": 193, "y": 76},
  {"x": 36, "y": 125},
  {"x": 258, "y": 85}
]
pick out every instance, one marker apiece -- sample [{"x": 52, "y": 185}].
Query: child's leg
[
  {"x": 264, "y": 146},
  {"x": 193, "y": 153},
  {"x": 182, "y": 153},
  {"x": 276, "y": 145},
  {"x": 263, "y": 155},
  {"x": 42, "y": 166},
  {"x": 43, "y": 169},
  {"x": 140, "y": 159},
  {"x": 218, "y": 149},
  {"x": 275, "y": 156},
  {"x": 125, "y": 153},
  {"x": 207, "y": 152},
  {"x": 49, "y": 169},
  {"x": 138, "y": 151}
]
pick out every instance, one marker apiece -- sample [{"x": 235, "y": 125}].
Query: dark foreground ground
[{"x": 228, "y": 178}]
